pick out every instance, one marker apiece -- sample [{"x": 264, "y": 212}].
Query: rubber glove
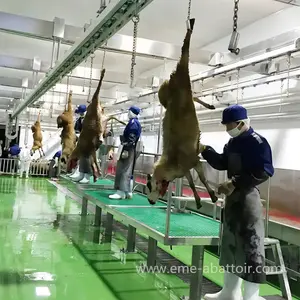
[
  {"x": 226, "y": 188},
  {"x": 202, "y": 148}
]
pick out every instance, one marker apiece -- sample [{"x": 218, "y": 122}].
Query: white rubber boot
[
  {"x": 75, "y": 174},
  {"x": 231, "y": 289},
  {"x": 85, "y": 179},
  {"x": 117, "y": 196},
  {"x": 80, "y": 177},
  {"x": 129, "y": 195},
  {"x": 251, "y": 291}
]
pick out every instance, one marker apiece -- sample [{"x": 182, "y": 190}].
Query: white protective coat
[{"x": 25, "y": 159}]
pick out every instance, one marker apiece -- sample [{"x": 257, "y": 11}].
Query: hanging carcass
[
  {"x": 37, "y": 136},
  {"x": 92, "y": 131},
  {"x": 181, "y": 132},
  {"x": 68, "y": 137}
]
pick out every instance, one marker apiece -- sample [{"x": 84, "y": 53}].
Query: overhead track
[
  {"x": 112, "y": 19},
  {"x": 119, "y": 43}
]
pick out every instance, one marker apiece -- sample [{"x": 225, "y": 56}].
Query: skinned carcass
[
  {"x": 91, "y": 133},
  {"x": 181, "y": 132},
  {"x": 37, "y": 136},
  {"x": 68, "y": 137}
]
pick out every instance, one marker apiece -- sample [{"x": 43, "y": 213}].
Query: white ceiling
[{"x": 162, "y": 20}]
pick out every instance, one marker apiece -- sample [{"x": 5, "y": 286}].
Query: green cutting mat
[
  {"x": 137, "y": 199},
  {"x": 180, "y": 224},
  {"x": 101, "y": 181}
]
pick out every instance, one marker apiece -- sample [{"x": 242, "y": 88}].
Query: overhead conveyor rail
[{"x": 112, "y": 19}]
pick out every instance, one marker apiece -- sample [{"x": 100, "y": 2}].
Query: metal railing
[{"x": 11, "y": 166}]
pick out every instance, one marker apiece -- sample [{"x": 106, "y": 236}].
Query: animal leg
[
  {"x": 189, "y": 177},
  {"x": 208, "y": 106},
  {"x": 95, "y": 167},
  {"x": 200, "y": 173},
  {"x": 40, "y": 153}
]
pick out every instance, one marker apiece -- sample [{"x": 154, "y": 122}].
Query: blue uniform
[
  {"x": 255, "y": 157},
  {"x": 57, "y": 154},
  {"x": 78, "y": 124},
  {"x": 14, "y": 150},
  {"x": 131, "y": 134}
]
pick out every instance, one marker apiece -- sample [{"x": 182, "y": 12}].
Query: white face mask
[
  {"x": 236, "y": 131},
  {"x": 131, "y": 115}
]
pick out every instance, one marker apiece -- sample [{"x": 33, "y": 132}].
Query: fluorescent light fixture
[
  {"x": 42, "y": 291},
  {"x": 249, "y": 61}
]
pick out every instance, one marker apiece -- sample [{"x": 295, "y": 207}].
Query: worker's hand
[
  {"x": 226, "y": 188},
  {"x": 202, "y": 148}
]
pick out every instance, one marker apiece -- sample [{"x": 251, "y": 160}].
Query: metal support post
[
  {"x": 109, "y": 227},
  {"x": 152, "y": 248},
  {"x": 283, "y": 277},
  {"x": 168, "y": 211},
  {"x": 267, "y": 210},
  {"x": 197, "y": 274},
  {"x": 178, "y": 186},
  {"x": 97, "y": 224},
  {"x": 84, "y": 206},
  {"x": 131, "y": 239}
]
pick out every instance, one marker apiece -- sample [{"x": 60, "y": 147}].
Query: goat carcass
[
  {"x": 181, "y": 132},
  {"x": 37, "y": 136},
  {"x": 91, "y": 133},
  {"x": 68, "y": 137}
]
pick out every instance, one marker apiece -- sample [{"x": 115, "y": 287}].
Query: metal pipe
[
  {"x": 58, "y": 50},
  {"x": 170, "y": 189},
  {"x": 267, "y": 210},
  {"x": 159, "y": 129},
  {"x": 52, "y": 55},
  {"x": 251, "y": 83},
  {"x": 294, "y": 47}
]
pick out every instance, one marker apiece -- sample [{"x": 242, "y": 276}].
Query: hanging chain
[
  {"x": 235, "y": 15},
  {"x": 288, "y": 60},
  {"x": 242, "y": 96},
  {"x": 281, "y": 94},
  {"x": 68, "y": 81},
  {"x": 91, "y": 77},
  {"x": 84, "y": 76},
  {"x": 135, "y": 20},
  {"x": 202, "y": 88},
  {"x": 237, "y": 85},
  {"x": 189, "y": 10},
  {"x": 104, "y": 55}
]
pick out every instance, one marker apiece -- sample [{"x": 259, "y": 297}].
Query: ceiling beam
[
  {"x": 25, "y": 64},
  {"x": 113, "y": 18},
  {"x": 118, "y": 43}
]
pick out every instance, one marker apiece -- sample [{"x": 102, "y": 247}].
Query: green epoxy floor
[{"x": 40, "y": 261}]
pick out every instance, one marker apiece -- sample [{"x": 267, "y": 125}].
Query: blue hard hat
[
  {"x": 135, "y": 109},
  {"x": 80, "y": 109},
  {"x": 234, "y": 113}
]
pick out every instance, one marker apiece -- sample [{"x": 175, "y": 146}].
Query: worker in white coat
[{"x": 25, "y": 159}]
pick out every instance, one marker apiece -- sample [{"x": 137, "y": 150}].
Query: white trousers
[{"x": 24, "y": 167}]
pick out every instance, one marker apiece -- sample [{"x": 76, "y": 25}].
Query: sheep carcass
[
  {"x": 37, "y": 136},
  {"x": 91, "y": 133},
  {"x": 107, "y": 132},
  {"x": 68, "y": 137},
  {"x": 181, "y": 133}
]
